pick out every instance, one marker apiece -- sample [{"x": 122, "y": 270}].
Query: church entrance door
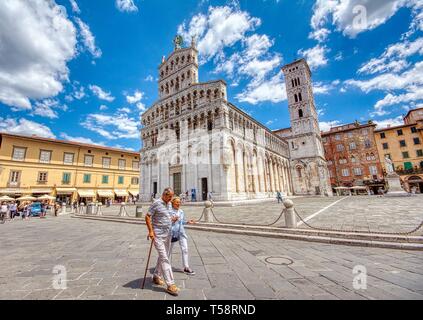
[
  {"x": 204, "y": 188},
  {"x": 177, "y": 183}
]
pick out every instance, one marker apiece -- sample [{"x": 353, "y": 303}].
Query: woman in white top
[{"x": 179, "y": 234}]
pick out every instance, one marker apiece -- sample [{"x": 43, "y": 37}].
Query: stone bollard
[
  {"x": 123, "y": 212},
  {"x": 290, "y": 217},
  {"x": 138, "y": 211},
  {"x": 82, "y": 209},
  {"x": 99, "y": 211},
  {"x": 208, "y": 217},
  {"x": 63, "y": 209}
]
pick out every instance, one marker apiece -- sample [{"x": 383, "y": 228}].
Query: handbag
[{"x": 176, "y": 238}]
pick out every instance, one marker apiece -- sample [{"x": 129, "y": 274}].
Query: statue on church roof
[
  {"x": 178, "y": 42},
  {"x": 193, "y": 42}
]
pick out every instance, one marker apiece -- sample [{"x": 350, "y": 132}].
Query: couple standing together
[{"x": 165, "y": 222}]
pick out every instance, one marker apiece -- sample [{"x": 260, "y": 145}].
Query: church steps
[{"x": 341, "y": 238}]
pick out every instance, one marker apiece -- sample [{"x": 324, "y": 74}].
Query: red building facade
[{"x": 352, "y": 155}]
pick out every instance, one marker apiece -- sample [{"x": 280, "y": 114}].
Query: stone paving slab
[{"x": 107, "y": 261}]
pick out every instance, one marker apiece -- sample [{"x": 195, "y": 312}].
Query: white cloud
[
  {"x": 405, "y": 87},
  {"x": 412, "y": 94},
  {"x": 47, "y": 108},
  {"x": 141, "y": 107},
  {"x": 392, "y": 81},
  {"x": 36, "y": 41},
  {"x": 136, "y": 97},
  {"x": 103, "y": 107},
  {"x": 390, "y": 122},
  {"x": 320, "y": 34},
  {"x": 149, "y": 78},
  {"x": 25, "y": 127},
  {"x": 327, "y": 125},
  {"x": 101, "y": 94},
  {"x": 324, "y": 88},
  {"x": 315, "y": 56},
  {"x": 75, "y": 7},
  {"x": 124, "y": 110},
  {"x": 221, "y": 27},
  {"x": 88, "y": 39},
  {"x": 112, "y": 127},
  {"x": 272, "y": 90},
  {"x": 78, "y": 92},
  {"x": 393, "y": 58},
  {"x": 352, "y": 17},
  {"x": 79, "y": 139},
  {"x": 126, "y": 6}
]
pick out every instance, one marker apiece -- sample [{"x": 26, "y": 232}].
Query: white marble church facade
[{"x": 195, "y": 139}]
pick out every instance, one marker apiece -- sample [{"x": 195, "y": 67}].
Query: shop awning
[
  {"x": 65, "y": 190},
  {"x": 135, "y": 193},
  {"x": 121, "y": 193},
  {"x": 86, "y": 193},
  {"x": 41, "y": 191},
  {"x": 106, "y": 193},
  {"x": 14, "y": 191}
]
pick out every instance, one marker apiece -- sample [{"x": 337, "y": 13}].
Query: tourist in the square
[
  {"x": 159, "y": 223},
  {"x": 13, "y": 210},
  {"x": 279, "y": 197},
  {"x": 179, "y": 234},
  {"x": 4, "y": 209}
]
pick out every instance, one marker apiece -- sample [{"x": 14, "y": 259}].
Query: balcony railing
[{"x": 410, "y": 171}]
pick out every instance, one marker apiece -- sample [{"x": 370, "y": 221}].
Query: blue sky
[{"x": 85, "y": 70}]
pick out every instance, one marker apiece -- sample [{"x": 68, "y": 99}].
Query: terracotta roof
[
  {"x": 73, "y": 143},
  {"x": 395, "y": 127},
  {"x": 334, "y": 130},
  {"x": 412, "y": 111}
]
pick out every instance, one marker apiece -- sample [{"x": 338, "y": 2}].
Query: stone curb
[{"x": 300, "y": 237}]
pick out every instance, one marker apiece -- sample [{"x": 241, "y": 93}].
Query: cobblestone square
[{"x": 105, "y": 260}]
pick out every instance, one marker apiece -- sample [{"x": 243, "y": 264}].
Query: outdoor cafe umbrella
[
  {"x": 6, "y": 198},
  {"x": 26, "y": 198},
  {"x": 47, "y": 197}
]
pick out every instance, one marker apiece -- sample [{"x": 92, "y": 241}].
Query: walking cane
[{"x": 148, "y": 262}]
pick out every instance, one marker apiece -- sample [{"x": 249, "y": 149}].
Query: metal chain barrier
[
  {"x": 244, "y": 224},
  {"x": 368, "y": 232}
]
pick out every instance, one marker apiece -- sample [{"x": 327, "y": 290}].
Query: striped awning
[
  {"x": 65, "y": 190},
  {"x": 106, "y": 193},
  {"x": 121, "y": 193},
  {"x": 135, "y": 193},
  {"x": 86, "y": 193}
]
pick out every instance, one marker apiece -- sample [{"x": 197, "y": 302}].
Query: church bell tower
[{"x": 308, "y": 163}]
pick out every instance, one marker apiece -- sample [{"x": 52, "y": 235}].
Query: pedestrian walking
[
  {"x": 279, "y": 197},
  {"x": 159, "y": 223},
  {"x": 179, "y": 234},
  {"x": 4, "y": 210},
  {"x": 13, "y": 210}
]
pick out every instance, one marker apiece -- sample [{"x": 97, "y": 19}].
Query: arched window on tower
[
  {"x": 296, "y": 98},
  {"x": 298, "y": 81},
  {"x": 293, "y": 83},
  {"x": 301, "y": 113},
  {"x": 300, "y": 97}
]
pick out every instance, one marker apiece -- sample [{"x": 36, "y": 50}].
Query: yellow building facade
[
  {"x": 70, "y": 171},
  {"x": 404, "y": 146}
]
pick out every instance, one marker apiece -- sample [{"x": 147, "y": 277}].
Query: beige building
[
  {"x": 404, "y": 146},
  {"x": 31, "y": 165}
]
